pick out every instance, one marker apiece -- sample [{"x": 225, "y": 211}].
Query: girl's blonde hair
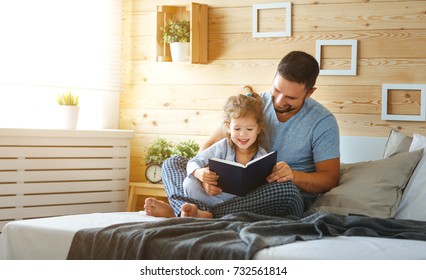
[{"x": 247, "y": 103}]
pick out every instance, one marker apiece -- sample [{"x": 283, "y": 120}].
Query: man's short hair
[{"x": 299, "y": 67}]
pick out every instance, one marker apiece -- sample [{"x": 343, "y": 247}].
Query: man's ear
[{"x": 310, "y": 92}]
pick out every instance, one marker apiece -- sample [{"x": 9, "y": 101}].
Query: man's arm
[
  {"x": 217, "y": 135},
  {"x": 325, "y": 177}
]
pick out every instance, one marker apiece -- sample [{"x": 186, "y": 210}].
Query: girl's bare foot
[
  {"x": 157, "y": 208},
  {"x": 191, "y": 210}
]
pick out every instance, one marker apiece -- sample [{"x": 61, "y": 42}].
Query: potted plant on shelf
[
  {"x": 160, "y": 150},
  {"x": 188, "y": 149},
  {"x": 177, "y": 34},
  {"x": 68, "y": 110}
]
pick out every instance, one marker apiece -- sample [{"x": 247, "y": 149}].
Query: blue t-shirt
[{"x": 310, "y": 136}]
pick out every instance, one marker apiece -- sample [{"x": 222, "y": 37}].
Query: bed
[{"x": 377, "y": 212}]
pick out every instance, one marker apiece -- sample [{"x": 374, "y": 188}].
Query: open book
[{"x": 240, "y": 179}]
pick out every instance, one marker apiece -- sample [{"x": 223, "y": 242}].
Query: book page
[
  {"x": 229, "y": 162},
  {"x": 259, "y": 158}
]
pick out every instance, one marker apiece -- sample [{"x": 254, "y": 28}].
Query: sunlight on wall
[
  {"x": 36, "y": 107},
  {"x": 51, "y": 46}
]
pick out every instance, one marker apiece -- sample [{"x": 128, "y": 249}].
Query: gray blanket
[{"x": 236, "y": 236}]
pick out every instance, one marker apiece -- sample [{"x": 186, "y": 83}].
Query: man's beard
[{"x": 278, "y": 110}]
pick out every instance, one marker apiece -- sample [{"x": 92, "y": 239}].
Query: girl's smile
[{"x": 244, "y": 131}]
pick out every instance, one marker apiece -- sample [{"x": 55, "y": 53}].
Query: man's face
[{"x": 288, "y": 97}]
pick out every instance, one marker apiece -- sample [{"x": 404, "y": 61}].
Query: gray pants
[{"x": 192, "y": 188}]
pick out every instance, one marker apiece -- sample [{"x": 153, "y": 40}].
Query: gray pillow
[
  {"x": 371, "y": 188},
  {"x": 397, "y": 143}
]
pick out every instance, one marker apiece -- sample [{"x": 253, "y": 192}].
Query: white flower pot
[
  {"x": 180, "y": 51},
  {"x": 67, "y": 116}
]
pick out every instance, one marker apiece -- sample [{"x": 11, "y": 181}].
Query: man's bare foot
[
  {"x": 191, "y": 210},
  {"x": 158, "y": 208}
]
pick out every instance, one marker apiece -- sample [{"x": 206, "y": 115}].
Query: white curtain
[{"x": 51, "y": 46}]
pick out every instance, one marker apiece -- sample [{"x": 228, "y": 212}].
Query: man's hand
[
  {"x": 325, "y": 177},
  {"x": 281, "y": 172}
]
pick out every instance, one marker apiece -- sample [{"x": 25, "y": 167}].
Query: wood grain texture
[
  {"x": 182, "y": 100},
  {"x": 244, "y": 46},
  {"x": 374, "y": 71}
]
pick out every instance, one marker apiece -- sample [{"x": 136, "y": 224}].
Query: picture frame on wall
[
  {"x": 386, "y": 88},
  {"x": 352, "y": 71},
  {"x": 286, "y": 32}
]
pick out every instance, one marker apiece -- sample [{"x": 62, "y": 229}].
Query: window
[{"x": 52, "y": 46}]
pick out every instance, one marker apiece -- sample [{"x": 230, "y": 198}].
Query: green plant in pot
[
  {"x": 159, "y": 150},
  {"x": 188, "y": 149},
  {"x": 68, "y": 110},
  {"x": 67, "y": 99},
  {"x": 176, "y": 32}
]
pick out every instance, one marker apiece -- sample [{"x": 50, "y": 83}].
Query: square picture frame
[
  {"x": 255, "y": 20},
  {"x": 394, "y": 117},
  {"x": 354, "y": 56}
]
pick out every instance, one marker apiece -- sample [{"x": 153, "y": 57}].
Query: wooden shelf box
[
  {"x": 145, "y": 189},
  {"x": 197, "y": 14}
]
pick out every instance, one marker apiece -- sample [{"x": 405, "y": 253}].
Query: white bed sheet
[{"x": 50, "y": 239}]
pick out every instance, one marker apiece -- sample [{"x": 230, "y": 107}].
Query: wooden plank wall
[{"x": 181, "y": 101}]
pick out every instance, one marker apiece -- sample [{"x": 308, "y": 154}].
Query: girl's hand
[
  {"x": 211, "y": 189},
  {"x": 281, "y": 172},
  {"x": 208, "y": 180}
]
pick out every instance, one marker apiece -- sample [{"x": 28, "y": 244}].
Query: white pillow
[
  {"x": 397, "y": 143},
  {"x": 413, "y": 202}
]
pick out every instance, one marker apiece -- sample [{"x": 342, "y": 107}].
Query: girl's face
[{"x": 244, "y": 131}]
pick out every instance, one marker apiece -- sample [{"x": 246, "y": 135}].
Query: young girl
[{"x": 245, "y": 131}]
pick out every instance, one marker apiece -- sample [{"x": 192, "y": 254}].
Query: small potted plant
[
  {"x": 177, "y": 33},
  {"x": 188, "y": 149},
  {"x": 68, "y": 109},
  {"x": 67, "y": 99},
  {"x": 160, "y": 150}
]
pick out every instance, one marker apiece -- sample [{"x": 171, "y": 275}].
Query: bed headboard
[
  {"x": 361, "y": 148},
  {"x": 59, "y": 172}
]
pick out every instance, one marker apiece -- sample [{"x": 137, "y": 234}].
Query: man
[{"x": 303, "y": 132}]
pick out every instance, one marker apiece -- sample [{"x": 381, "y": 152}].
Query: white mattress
[{"x": 50, "y": 239}]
